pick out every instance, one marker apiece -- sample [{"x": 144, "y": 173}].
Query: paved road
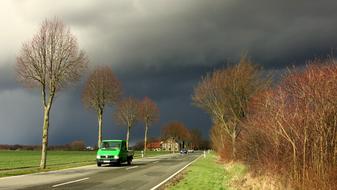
[{"x": 142, "y": 174}]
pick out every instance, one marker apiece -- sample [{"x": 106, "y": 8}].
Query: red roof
[{"x": 154, "y": 145}]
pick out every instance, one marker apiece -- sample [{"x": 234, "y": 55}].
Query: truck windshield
[{"x": 110, "y": 145}]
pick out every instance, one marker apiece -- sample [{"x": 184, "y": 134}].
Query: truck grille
[{"x": 106, "y": 156}]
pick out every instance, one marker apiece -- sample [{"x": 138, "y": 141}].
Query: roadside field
[
  {"x": 25, "y": 162},
  {"x": 206, "y": 173}
]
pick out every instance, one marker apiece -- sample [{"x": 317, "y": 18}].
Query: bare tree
[
  {"x": 102, "y": 89},
  {"x": 126, "y": 114},
  {"x": 299, "y": 118},
  {"x": 148, "y": 114},
  {"x": 225, "y": 94},
  {"x": 50, "y": 61}
]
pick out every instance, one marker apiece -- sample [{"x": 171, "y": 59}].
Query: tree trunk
[
  {"x": 304, "y": 155},
  {"x": 295, "y": 175},
  {"x": 100, "y": 125},
  {"x": 145, "y": 136},
  {"x": 127, "y": 137},
  {"x": 233, "y": 145},
  {"x": 321, "y": 168},
  {"x": 335, "y": 155},
  {"x": 222, "y": 140},
  {"x": 334, "y": 144},
  {"x": 45, "y": 136}
]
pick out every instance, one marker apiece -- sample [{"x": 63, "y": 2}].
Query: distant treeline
[{"x": 75, "y": 145}]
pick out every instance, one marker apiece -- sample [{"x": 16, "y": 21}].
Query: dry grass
[{"x": 265, "y": 182}]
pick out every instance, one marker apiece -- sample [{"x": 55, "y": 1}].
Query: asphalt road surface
[{"x": 144, "y": 173}]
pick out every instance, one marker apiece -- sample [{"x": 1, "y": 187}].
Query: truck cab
[{"x": 113, "y": 152}]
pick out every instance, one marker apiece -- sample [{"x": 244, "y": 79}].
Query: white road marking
[
  {"x": 69, "y": 182},
  {"x": 155, "y": 162},
  {"x": 132, "y": 167},
  {"x": 161, "y": 183}
]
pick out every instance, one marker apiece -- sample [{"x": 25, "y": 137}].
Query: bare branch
[
  {"x": 148, "y": 111},
  {"x": 101, "y": 89}
]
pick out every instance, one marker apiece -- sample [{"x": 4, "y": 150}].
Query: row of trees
[
  {"x": 289, "y": 128},
  {"x": 103, "y": 89},
  {"x": 130, "y": 111},
  {"x": 53, "y": 61}
]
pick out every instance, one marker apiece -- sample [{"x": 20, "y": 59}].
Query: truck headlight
[
  {"x": 98, "y": 156},
  {"x": 116, "y": 157}
]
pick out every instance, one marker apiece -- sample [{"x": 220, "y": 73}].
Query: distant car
[
  {"x": 190, "y": 151},
  {"x": 89, "y": 148},
  {"x": 183, "y": 151}
]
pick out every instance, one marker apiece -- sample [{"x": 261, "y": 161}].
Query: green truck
[{"x": 113, "y": 152}]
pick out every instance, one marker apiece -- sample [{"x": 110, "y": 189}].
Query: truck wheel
[
  {"x": 118, "y": 163},
  {"x": 99, "y": 164},
  {"x": 129, "y": 161}
]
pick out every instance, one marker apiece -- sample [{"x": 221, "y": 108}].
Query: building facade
[{"x": 170, "y": 145}]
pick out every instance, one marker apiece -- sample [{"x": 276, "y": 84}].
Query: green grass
[
  {"x": 25, "y": 162},
  {"x": 206, "y": 173}
]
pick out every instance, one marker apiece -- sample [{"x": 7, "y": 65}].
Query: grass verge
[{"x": 207, "y": 173}]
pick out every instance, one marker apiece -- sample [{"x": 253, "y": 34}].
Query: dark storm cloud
[
  {"x": 275, "y": 33},
  {"x": 157, "y": 48},
  {"x": 163, "y": 82}
]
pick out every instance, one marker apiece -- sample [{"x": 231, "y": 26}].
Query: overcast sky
[{"x": 157, "y": 48}]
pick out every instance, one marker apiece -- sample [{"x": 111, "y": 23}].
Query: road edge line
[
  {"x": 132, "y": 167},
  {"x": 45, "y": 172},
  {"x": 170, "y": 177},
  {"x": 69, "y": 182}
]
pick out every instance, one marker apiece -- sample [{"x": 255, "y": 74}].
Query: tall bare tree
[
  {"x": 101, "y": 89},
  {"x": 225, "y": 94},
  {"x": 50, "y": 61},
  {"x": 126, "y": 114},
  {"x": 148, "y": 114}
]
